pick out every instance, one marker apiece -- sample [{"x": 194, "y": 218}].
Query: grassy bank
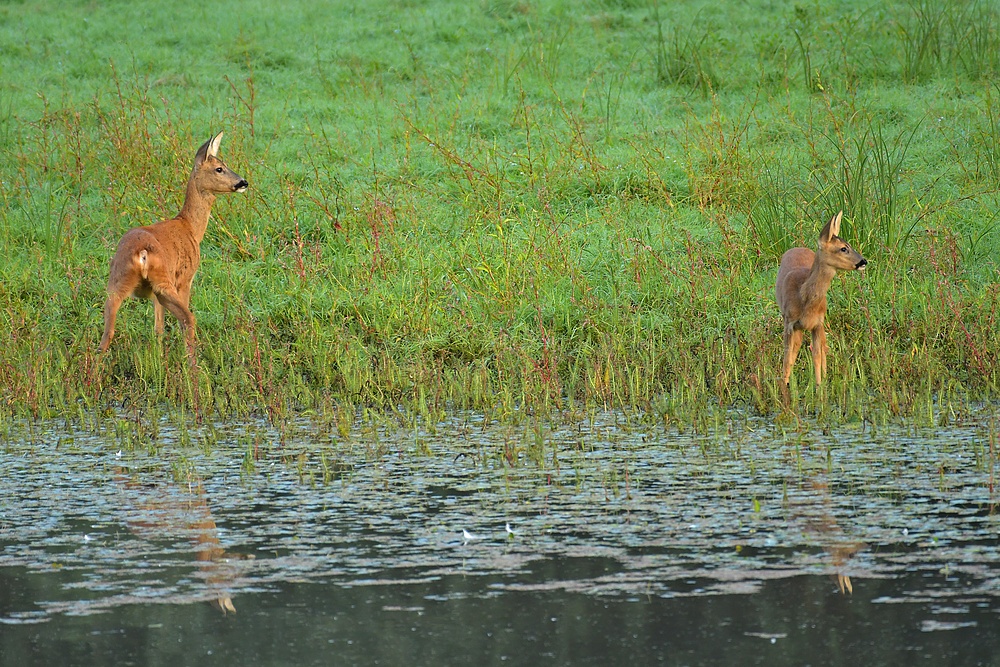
[{"x": 502, "y": 204}]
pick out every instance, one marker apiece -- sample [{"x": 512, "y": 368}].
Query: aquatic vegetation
[{"x": 609, "y": 505}]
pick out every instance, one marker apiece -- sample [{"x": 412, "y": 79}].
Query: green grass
[{"x": 502, "y": 205}]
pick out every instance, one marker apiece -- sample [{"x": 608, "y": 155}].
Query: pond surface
[{"x": 607, "y": 540}]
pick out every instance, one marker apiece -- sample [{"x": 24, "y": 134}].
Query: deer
[
  {"x": 158, "y": 261},
  {"x": 804, "y": 278}
]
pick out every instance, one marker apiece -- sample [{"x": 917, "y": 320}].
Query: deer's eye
[
  {"x": 843, "y": 249},
  {"x": 219, "y": 170}
]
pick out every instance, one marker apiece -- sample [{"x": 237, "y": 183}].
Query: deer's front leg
[{"x": 819, "y": 349}]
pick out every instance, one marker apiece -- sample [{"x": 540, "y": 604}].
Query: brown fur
[
  {"x": 158, "y": 262},
  {"x": 804, "y": 278}
]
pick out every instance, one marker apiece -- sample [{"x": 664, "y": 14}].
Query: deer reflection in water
[
  {"x": 163, "y": 509},
  {"x": 812, "y": 509}
]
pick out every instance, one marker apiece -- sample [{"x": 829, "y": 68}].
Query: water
[{"x": 603, "y": 541}]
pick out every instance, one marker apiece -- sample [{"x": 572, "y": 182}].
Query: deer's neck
[
  {"x": 197, "y": 207},
  {"x": 816, "y": 286}
]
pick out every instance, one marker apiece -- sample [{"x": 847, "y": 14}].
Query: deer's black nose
[
  {"x": 241, "y": 186},
  {"x": 862, "y": 264}
]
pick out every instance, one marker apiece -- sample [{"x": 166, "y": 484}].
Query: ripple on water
[{"x": 612, "y": 508}]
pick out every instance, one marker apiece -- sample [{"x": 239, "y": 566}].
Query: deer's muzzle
[
  {"x": 861, "y": 265},
  {"x": 241, "y": 186}
]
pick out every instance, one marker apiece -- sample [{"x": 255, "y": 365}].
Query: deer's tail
[{"x": 142, "y": 260}]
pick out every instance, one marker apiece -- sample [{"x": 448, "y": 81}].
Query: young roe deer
[
  {"x": 158, "y": 262},
  {"x": 804, "y": 278}
]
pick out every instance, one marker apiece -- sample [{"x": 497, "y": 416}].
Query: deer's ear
[
  {"x": 208, "y": 149},
  {"x": 213, "y": 146},
  {"x": 831, "y": 228}
]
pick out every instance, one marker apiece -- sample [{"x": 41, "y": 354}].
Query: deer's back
[{"x": 171, "y": 239}]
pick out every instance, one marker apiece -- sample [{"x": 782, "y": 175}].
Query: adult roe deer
[
  {"x": 158, "y": 262},
  {"x": 804, "y": 278}
]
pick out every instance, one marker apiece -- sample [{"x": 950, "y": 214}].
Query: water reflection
[
  {"x": 158, "y": 510},
  {"x": 812, "y": 506}
]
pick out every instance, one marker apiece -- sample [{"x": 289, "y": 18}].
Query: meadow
[{"x": 502, "y": 206}]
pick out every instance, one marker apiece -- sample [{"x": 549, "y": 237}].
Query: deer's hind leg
[
  {"x": 117, "y": 293},
  {"x": 158, "y": 311},
  {"x": 111, "y": 307},
  {"x": 168, "y": 298}
]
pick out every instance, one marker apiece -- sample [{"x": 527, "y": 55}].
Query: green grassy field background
[{"x": 499, "y": 205}]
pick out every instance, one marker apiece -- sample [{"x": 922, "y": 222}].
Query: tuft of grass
[
  {"x": 921, "y": 37},
  {"x": 978, "y": 41},
  {"x": 952, "y": 37},
  {"x": 773, "y": 215},
  {"x": 682, "y": 55},
  {"x": 866, "y": 179}
]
